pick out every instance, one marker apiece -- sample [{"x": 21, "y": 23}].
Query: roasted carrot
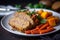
[
  {"x": 46, "y": 30},
  {"x": 35, "y": 31},
  {"x": 28, "y": 32},
  {"x": 38, "y": 27},
  {"x": 49, "y": 27},
  {"x": 44, "y": 26}
]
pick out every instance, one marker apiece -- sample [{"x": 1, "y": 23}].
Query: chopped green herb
[
  {"x": 30, "y": 13},
  {"x": 39, "y": 17},
  {"x": 36, "y": 6},
  {"x": 43, "y": 21}
]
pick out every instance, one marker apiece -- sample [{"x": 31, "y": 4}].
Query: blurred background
[
  {"x": 50, "y": 4},
  {"x": 13, "y": 2}
]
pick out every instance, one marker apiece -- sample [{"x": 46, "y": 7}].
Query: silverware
[{"x": 7, "y": 9}]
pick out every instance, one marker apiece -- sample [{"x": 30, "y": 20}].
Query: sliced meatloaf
[{"x": 21, "y": 21}]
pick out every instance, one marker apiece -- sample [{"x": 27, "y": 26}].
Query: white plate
[{"x": 6, "y": 26}]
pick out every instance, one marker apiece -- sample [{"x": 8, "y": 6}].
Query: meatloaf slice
[
  {"x": 24, "y": 16},
  {"x": 21, "y": 22}
]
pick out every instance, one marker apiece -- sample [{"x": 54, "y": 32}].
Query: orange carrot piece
[
  {"x": 35, "y": 31},
  {"x": 39, "y": 26},
  {"x": 28, "y": 32},
  {"x": 44, "y": 26},
  {"x": 49, "y": 27},
  {"x": 46, "y": 30}
]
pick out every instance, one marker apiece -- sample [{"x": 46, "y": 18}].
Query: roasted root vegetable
[
  {"x": 37, "y": 30},
  {"x": 39, "y": 26},
  {"x": 52, "y": 22},
  {"x": 49, "y": 27},
  {"x": 28, "y": 32},
  {"x": 44, "y": 26},
  {"x": 46, "y": 30},
  {"x": 55, "y": 17},
  {"x": 40, "y": 29},
  {"x": 46, "y": 14}
]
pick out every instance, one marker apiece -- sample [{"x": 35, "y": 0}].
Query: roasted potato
[
  {"x": 56, "y": 18},
  {"x": 52, "y": 21},
  {"x": 46, "y": 14}
]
